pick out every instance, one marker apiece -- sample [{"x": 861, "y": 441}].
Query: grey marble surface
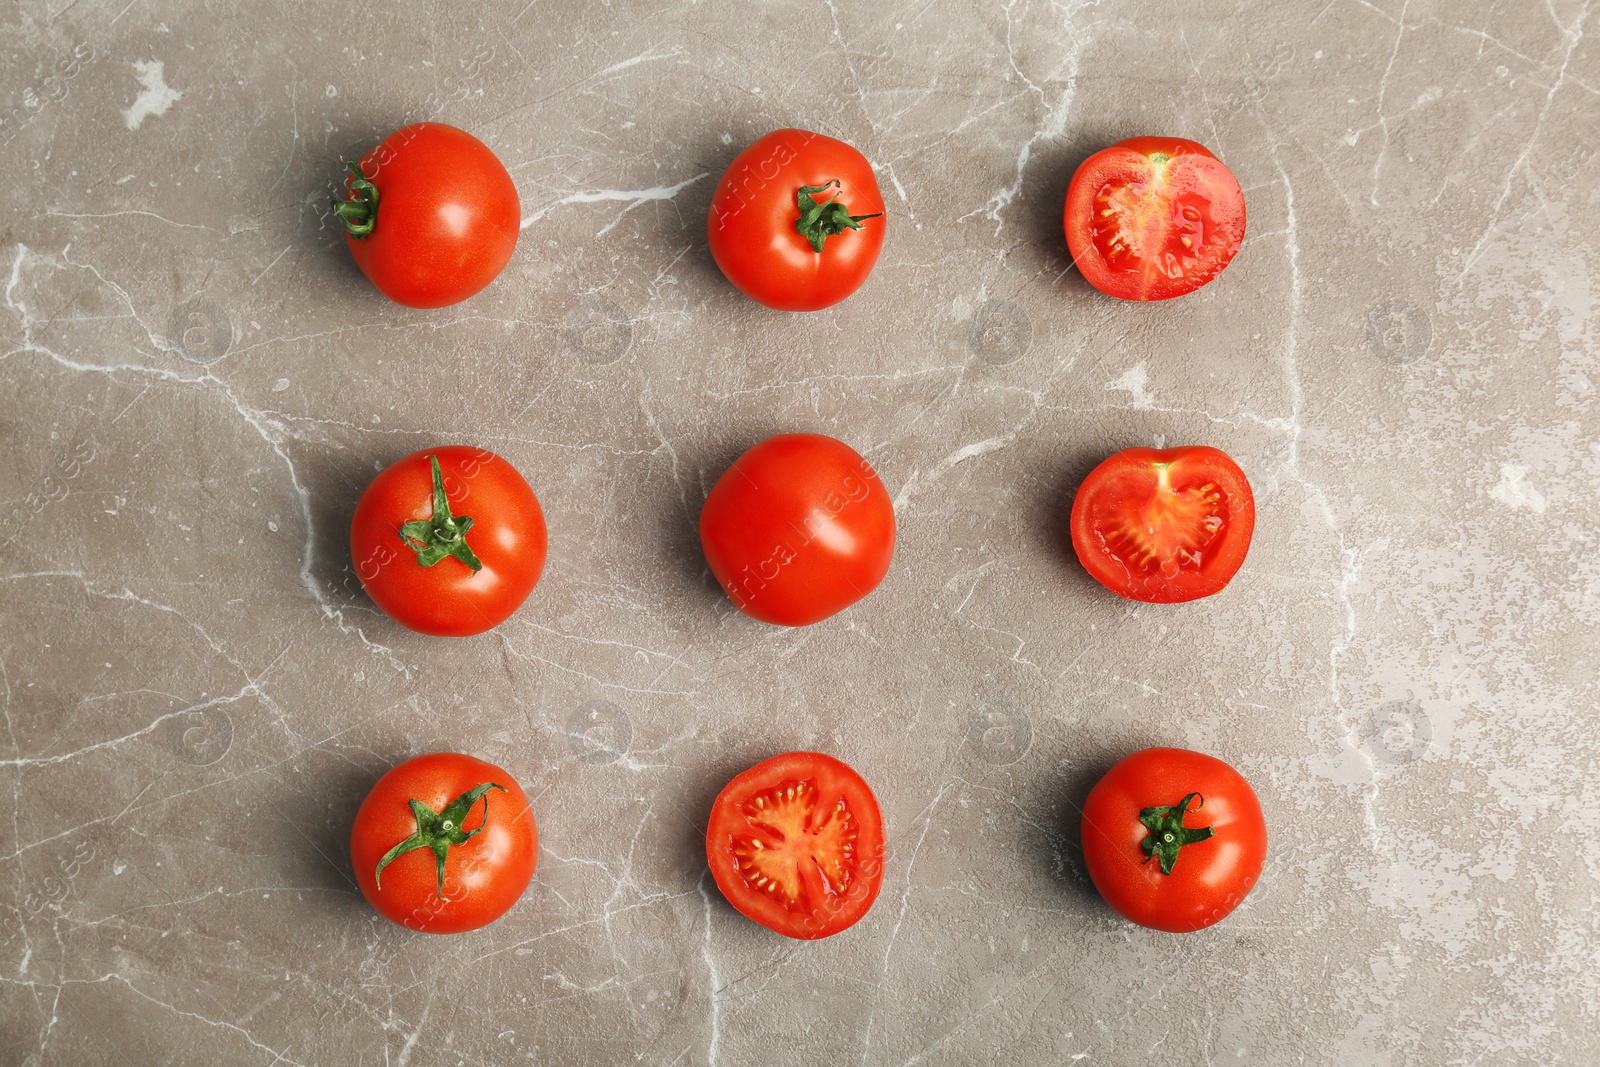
[{"x": 196, "y": 384}]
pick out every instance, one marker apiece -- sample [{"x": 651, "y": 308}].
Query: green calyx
[
  {"x": 1168, "y": 834},
  {"x": 442, "y": 535},
  {"x": 361, "y": 214},
  {"x": 438, "y": 830},
  {"x": 820, "y": 220}
]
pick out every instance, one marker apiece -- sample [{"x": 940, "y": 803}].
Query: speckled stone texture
[{"x": 196, "y": 384}]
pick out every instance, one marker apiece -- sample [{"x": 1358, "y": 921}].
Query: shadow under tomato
[
  {"x": 334, "y": 482},
  {"x": 311, "y": 827},
  {"x": 1051, "y": 515},
  {"x": 690, "y": 816},
  {"x": 1067, "y": 823},
  {"x": 679, "y": 530},
  {"x": 1044, "y": 196}
]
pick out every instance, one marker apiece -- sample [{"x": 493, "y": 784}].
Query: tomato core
[
  {"x": 1173, "y": 530},
  {"x": 1139, "y": 226},
  {"x": 795, "y": 845}
]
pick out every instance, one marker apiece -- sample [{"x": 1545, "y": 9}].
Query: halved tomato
[
  {"x": 1164, "y": 526},
  {"x": 1153, "y": 217},
  {"x": 796, "y": 843}
]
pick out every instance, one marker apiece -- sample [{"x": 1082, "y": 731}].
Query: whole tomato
[
  {"x": 1173, "y": 839},
  {"x": 798, "y": 529},
  {"x": 1151, "y": 218},
  {"x": 438, "y": 571},
  {"x": 796, "y": 222},
  {"x": 444, "y": 843},
  {"x": 430, "y": 215}
]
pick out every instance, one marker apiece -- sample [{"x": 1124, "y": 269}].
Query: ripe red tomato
[
  {"x": 1173, "y": 839},
  {"x": 430, "y": 215},
  {"x": 1153, "y": 217},
  {"x": 796, "y": 843},
  {"x": 438, "y": 571},
  {"x": 797, "y": 221},
  {"x": 798, "y": 529},
  {"x": 444, "y": 843},
  {"x": 1164, "y": 526}
]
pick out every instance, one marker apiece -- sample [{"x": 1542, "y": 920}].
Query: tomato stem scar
[
  {"x": 821, "y": 220},
  {"x": 442, "y": 535},
  {"x": 361, "y": 214},
  {"x": 1168, "y": 834},
  {"x": 438, "y": 830}
]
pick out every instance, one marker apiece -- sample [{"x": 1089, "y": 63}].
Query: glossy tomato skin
[
  {"x": 796, "y": 843},
  {"x": 798, "y": 529},
  {"x": 1210, "y": 878},
  {"x": 1151, "y": 218},
  {"x": 484, "y": 877},
  {"x": 447, "y": 220},
  {"x": 751, "y": 226},
  {"x": 1164, "y": 526},
  {"x": 448, "y": 599}
]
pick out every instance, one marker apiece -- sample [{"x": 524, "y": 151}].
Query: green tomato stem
[
  {"x": 1168, "y": 834},
  {"x": 438, "y": 830},
  {"x": 361, "y": 214},
  {"x": 821, "y": 220},
  {"x": 442, "y": 535}
]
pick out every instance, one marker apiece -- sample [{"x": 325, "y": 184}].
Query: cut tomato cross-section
[
  {"x": 1152, "y": 218},
  {"x": 1164, "y": 526},
  {"x": 796, "y": 843}
]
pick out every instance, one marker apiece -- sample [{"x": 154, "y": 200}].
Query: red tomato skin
[
  {"x": 1111, "y": 571},
  {"x": 1195, "y": 177},
  {"x": 754, "y": 209},
  {"x": 483, "y": 877},
  {"x": 1211, "y": 877},
  {"x": 448, "y": 599},
  {"x": 798, "y": 529},
  {"x": 448, "y": 216},
  {"x": 726, "y": 820}
]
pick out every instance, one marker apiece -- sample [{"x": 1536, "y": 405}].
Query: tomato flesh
[
  {"x": 796, "y": 843},
  {"x": 1152, "y": 218},
  {"x": 1164, "y": 526}
]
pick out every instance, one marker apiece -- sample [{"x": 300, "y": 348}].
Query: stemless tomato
[
  {"x": 1153, "y": 217},
  {"x": 444, "y": 843},
  {"x": 798, "y": 529},
  {"x": 430, "y": 215},
  {"x": 1164, "y": 526},
  {"x": 1173, "y": 839},
  {"x": 797, "y": 221},
  {"x": 437, "y": 571},
  {"x": 796, "y": 843}
]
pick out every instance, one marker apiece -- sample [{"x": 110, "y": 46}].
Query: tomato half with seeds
[
  {"x": 448, "y": 541},
  {"x": 796, "y": 843},
  {"x": 1153, "y": 217},
  {"x": 796, "y": 221},
  {"x": 444, "y": 843},
  {"x": 1173, "y": 840},
  {"x": 797, "y": 529},
  {"x": 1164, "y": 526},
  {"x": 430, "y": 215}
]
